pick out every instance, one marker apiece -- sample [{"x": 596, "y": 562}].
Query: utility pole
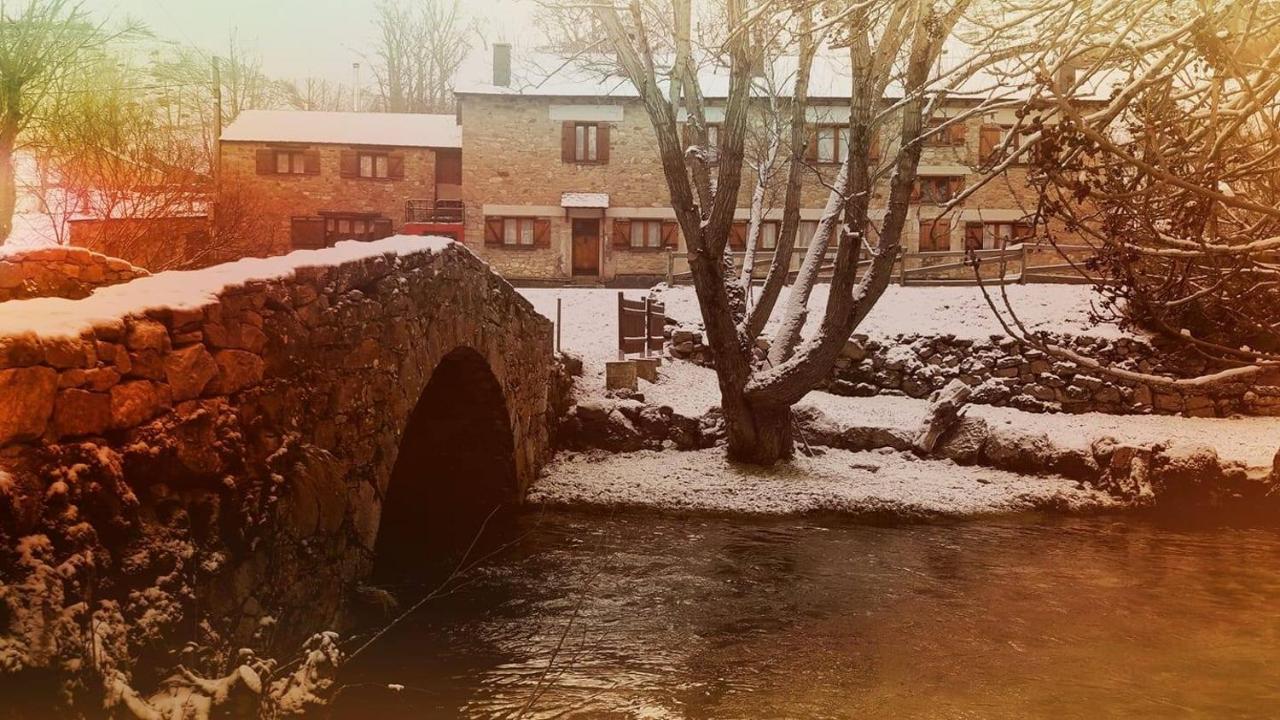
[{"x": 355, "y": 88}]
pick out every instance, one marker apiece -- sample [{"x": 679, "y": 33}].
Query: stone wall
[
  {"x": 214, "y": 473},
  {"x": 55, "y": 271},
  {"x": 1005, "y": 372}
]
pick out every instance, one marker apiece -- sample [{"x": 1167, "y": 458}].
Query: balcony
[{"x": 434, "y": 212}]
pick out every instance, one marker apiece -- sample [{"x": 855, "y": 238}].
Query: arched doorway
[{"x": 454, "y": 473}]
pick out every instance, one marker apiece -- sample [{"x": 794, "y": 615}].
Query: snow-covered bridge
[{"x": 239, "y": 444}]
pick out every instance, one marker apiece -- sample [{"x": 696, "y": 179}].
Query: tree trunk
[
  {"x": 760, "y": 435},
  {"x": 8, "y": 183}
]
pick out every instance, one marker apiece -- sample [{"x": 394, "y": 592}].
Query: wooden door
[{"x": 586, "y": 247}]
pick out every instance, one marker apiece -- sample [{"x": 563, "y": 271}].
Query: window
[
  {"x": 937, "y": 135},
  {"x": 290, "y": 162},
  {"x": 995, "y": 235},
  {"x": 804, "y": 235},
  {"x": 355, "y": 227},
  {"x": 713, "y": 135},
  {"x": 373, "y": 165},
  {"x": 769, "y": 236},
  {"x": 586, "y": 142},
  {"x": 832, "y": 143},
  {"x": 939, "y": 189},
  {"x": 646, "y": 233},
  {"x": 517, "y": 231}
]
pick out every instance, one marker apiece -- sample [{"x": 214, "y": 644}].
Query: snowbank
[
  {"x": 883, "y": 483},
  {"x": 956, "y": 310},
  {"x": 58, "y": 317}
]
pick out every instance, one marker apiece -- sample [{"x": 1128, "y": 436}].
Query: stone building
[
  {"x": 562, "y": 180},
  {"x": 321, "y": 177}
]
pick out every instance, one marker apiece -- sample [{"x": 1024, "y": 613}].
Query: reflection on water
[{"x": 659, "y": 617}]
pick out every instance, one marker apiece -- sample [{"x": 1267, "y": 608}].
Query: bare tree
[
  {"x": 1172, "y": 180},
  {"x": 317, "y": 94},
  {"x": 893, "y": 50},
  {"x": 420, "y": 46},
  {"x": 42, "y": 42}
]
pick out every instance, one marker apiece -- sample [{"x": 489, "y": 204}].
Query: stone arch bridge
[{"x": 223, "y": 456}]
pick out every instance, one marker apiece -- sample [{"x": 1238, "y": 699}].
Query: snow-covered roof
[
  {"x": 346, "y": 128},
  {"x": 584, "y": 200},
  {"x": 540, "y": 73}
]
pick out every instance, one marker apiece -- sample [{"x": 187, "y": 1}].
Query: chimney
[{"x": 502, "y": 64}]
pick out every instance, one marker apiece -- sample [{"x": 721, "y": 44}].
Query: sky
[{"x": 296, "y": 38}]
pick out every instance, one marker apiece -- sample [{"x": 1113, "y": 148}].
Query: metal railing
[
  {"x": 1021, "y": 263},
  {"x": 444, "y": 212}
]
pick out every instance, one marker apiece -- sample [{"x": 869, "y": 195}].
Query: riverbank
[{"x": 998, "y": 460}]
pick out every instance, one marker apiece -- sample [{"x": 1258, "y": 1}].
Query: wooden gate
[{"x": 640, "y": 325}]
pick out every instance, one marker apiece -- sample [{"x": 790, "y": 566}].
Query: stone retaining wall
[
  {"x": 1005, "y": 372},
  {"x": 65, "y": 272}
]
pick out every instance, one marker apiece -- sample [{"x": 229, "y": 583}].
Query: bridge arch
[{"x": 454, "y": 472}]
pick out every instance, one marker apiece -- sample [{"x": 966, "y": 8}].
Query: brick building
[
  {"x": 321, "y": 177},
  {"x": 562, "y": 179}
]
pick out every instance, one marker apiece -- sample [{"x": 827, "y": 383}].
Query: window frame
[
  {"x": 934, "y": 181},
  {"x": 650, "y": 231},
  {"x": 297, "y": 161},
  {"x": 839, "y": 143},
  {"x": 586, "y": 142},
  {"x": 374, "y": 158},
  {"x": 518, "y": 224}
]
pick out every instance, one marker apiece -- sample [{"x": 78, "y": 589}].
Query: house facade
[
  {"x": 321, "y": 177},
  {"x": 563, "y": 182}
]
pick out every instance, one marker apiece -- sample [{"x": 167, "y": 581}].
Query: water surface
[{"x": 646, "y": 616}]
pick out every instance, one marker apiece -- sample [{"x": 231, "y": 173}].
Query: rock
[
  {"x": 963, "y": 444},
  {"x": 147, "y": 335},
  {"x": 188, "y": 371},
  {"x": 1128, "y": 473},
  {"x": 133, "y": 403},
  {"x": 26, "y": 402},
  {"x": 81, "y": 412},
  {"x": 237, "y": 370}
]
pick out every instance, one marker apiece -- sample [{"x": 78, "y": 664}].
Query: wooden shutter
[
  {"x": 955, "y": 185},
  {"x": 935, "y": 235},
  {"x": 988, "y": 143},
  {"x": 671, "y": 234},
  {"x": 602, "y": 142},
  {"x": 542, "y": 233},
  {"x": 873, "y": 153},
  {"x": 973, "y": 236},
  {"x": 959, "y": 133},
  {"x": 311, "y": 162},
  {"x": 395, "y": 166},
  {"x": 621, "y": 233},
  {"x": 916, "y": 190},
  {"x": 1023, "y": 231},
  {"x": 738, "y": 236},
  {"x": 307, "y": 233},
  {"x": 349, "y": 164},
  {"x": 811, "y": 145},
  {"x": 265, "y": 160},
  {"x": 493, "y": 231},
  {"x": 567, "y": 138},
  {"x": 381, "y": 228}
]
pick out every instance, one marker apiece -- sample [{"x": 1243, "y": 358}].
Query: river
[{"x": 651, "y": 616}]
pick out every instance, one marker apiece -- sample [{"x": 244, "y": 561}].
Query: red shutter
[
  {"x": 602, "y": 142},
  {"x": 265, "y": 161},
  {"x": 542, "y": 233},
  {"x": 381, "y": 228},
  {"x": 1024, "y": 231},
  {"x": 395, "y": 166},
  {"x": 349, "y": 164},
  {"x": 988, "y": 143},
  {"x": 873, "y": 153},
  {"x": 959, "y": 133},
  {"x": 935, "y": 235},
  {"x": 493, "y": 231},
  {"x": 567, "y": 142},
  {"x": 311, "y": 162},
  {"x": 621, "y": 233},
  {"x": 738, "y": 236},
  {"x": 671, "y": 234}
]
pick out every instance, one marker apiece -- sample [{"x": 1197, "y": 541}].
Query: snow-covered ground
[
  {"x": 864, "y": 483},
  {"x": 590, "y": 330},
  {"x": 957, "y": 310}
]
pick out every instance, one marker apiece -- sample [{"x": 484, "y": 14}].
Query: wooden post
[
  {"x": 902, "y": 269},
  {"x": 1022, "y": 277},
  {"x": 621, "y": 337},
  {"x": 557, "y": 324},
  {"x": 645, "y": 352},
  {"x": 671, "y": 268}
]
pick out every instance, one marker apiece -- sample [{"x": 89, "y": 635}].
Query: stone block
[
  {"x": 237, "y": 370},
  {"x": 620, "y": 375},
  {"x": 80, "y": 412},
  {"x": 26, "y": 402},
  {"x": 188, "y": 371},
  {"x": 135, "y": 402},
  {"x": 647, "y": 368}
]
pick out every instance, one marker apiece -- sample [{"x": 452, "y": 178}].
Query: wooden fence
[
  {"x": 640, "y": 326},
  {"x": 1021, "y": 263}
]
